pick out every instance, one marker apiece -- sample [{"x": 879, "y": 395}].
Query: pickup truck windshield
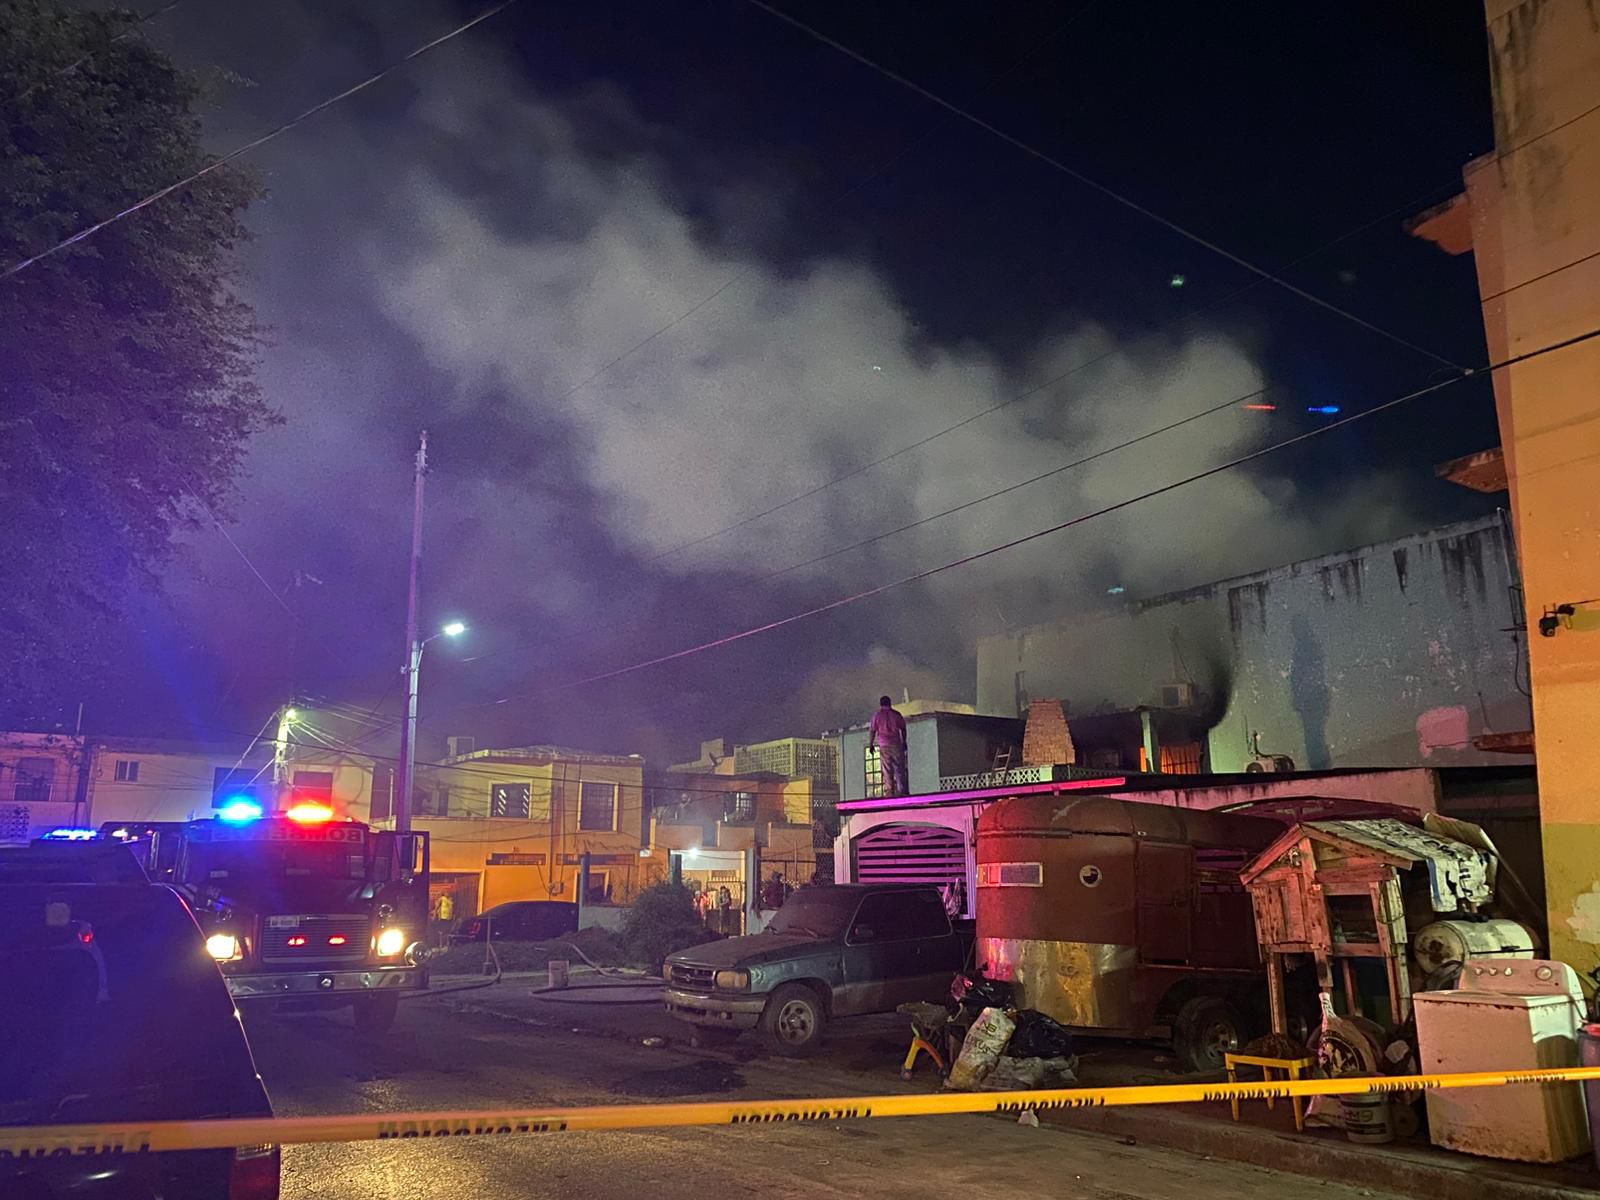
[{"x": 815, "y": 912}]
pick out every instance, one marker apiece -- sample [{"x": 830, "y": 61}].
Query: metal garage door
[{"x": 910, "y": 854}]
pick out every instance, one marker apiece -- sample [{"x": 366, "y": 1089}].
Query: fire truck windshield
[{"x": 243, "y": 860}]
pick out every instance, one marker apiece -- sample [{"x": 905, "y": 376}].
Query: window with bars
[
  {"x": 873, "y": 766},
  {"x": 511, "y": 800},
  {"x": 597, "y": 807},
  {"x": 35, "y": 777}
]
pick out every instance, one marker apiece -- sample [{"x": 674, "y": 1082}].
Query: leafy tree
[
  {"x": 661, "y": 921},
  {"x": 126, "y": 360}
]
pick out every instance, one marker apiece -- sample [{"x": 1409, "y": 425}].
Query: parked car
[
  {"x": 830, "y": 952},
  {"x": 114, "y": 1012},
  {"x": 521, "y": 921}
]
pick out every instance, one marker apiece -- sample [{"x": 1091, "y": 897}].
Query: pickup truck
[{"x": 831, "y": 951}]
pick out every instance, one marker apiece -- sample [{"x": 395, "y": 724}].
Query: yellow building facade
[
  {"x": 513, "y": 824},
  {"x": 1531, "y": 217}
]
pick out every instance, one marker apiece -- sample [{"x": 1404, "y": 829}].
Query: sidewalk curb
[{"x": 1377, "y": 1167}]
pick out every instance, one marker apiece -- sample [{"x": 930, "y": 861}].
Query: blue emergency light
[
  {"x": 240, "y": 810},
  {"x": 66, "y": 834}
]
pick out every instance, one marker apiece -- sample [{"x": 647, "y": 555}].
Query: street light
[{"x": 408, "y": 727}]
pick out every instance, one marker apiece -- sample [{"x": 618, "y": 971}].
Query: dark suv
[
  {"x": 114, "y": 1012},
  {"x": 833, "y": 951}
]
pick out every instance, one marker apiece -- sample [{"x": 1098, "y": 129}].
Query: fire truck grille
[{"x": 288, "y": 939}]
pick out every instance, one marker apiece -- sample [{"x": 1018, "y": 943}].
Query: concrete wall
[
  {"x": 1390, "y": 655},
  {"x": 23, "y": 816},
  {"x": 175, "y": 783},
  {"x": 1418, "y": 789},
  {"x": 1535, "y": 205}
]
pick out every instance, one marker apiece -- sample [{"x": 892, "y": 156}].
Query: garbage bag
[
  {"x": 1038, "y": 1036},
  {"x": 981, "y": 1048},
  {"x": 1028, "y": 1074},
  {"x": 975, "y": 991}
]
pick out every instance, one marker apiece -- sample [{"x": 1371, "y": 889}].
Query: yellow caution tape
[{"x": 50, "y": 1140}]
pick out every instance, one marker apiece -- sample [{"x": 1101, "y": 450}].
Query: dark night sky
[{"x": 461, "y": 246}]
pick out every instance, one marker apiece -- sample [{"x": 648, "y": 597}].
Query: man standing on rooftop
[{"x": 889, "y": 736}]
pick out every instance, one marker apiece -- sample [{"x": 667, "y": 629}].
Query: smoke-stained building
[{"x": 1406, "y": 653}]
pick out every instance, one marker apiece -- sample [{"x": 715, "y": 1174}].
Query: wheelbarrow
[{"x": 928, "y": 1027}]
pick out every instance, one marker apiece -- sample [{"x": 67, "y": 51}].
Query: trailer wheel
[
  {"x": 794, "y": 1019},
  {"x": 1207, "y": 1028},
  {"x": 377, "y": 1013}
]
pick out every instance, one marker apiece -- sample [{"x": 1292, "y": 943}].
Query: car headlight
[
  {"x": 391, "y": 942},
  {"x": 223, "y": 947},
  {"x": 733, "y": 981}
]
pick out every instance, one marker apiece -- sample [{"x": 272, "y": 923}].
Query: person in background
[
  {"x": 444, "y": 913},
  {"x": 888, "y": 733},
  {"x": 725, "y": 911},
  {"x": 775, "y": 892}
]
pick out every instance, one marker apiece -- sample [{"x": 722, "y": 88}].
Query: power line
[
  {"x": 255, "y": 143},
  {"x": 1164, "y": 327},
  {"x": 138, "y": 21},
  {"x": 1231, "y": 402},
  {"x": 877, "y": 172},
  {"x": 1101, "y": 188},
  {"x": 245, "y": 558},
  {"x": 976, "y": 556},
  {"x": 1410, "y": 206},
  {"x": 1567, "y": 266}
]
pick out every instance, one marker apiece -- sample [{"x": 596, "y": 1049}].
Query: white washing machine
[{"x": 1505, "y": 1014}]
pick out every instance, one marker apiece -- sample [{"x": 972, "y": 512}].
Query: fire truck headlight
[
  {"x": 223, "y": 947},
  {"x": 391, "y": 942}
]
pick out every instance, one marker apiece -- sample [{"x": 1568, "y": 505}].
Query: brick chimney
[{"x": 1047, "y": 741}]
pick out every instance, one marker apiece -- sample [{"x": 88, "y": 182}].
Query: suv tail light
[
  {"x": 474, "y": 929},
  {"x": 254, "y": 1174}
]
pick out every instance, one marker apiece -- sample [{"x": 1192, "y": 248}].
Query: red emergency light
[
  {"x": 298, "y": 939},
  {"x": 309, "y": 813},
  {"x": 337, "y": 939}
]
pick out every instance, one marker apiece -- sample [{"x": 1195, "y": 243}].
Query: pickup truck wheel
[
  {"x": 377, "y": 1013},
  {"x": 794, "y": 1019}
]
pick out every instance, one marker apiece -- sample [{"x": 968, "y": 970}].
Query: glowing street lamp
[{"x": 408, "y": 729}]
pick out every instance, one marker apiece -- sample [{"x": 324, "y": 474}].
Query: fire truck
[{"x": 303, "y": 911}]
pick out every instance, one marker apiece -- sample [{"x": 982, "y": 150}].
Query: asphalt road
[{"x": 449, "y": 1053}]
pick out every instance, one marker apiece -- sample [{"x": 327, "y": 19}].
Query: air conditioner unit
[
  {"x": 461, "y": 745},
  {"x": 1177, "y": 695}
]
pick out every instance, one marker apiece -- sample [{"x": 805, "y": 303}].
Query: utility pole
[
  {"x": 281, "y": 785},
  {"x": 408, "y": 727}
]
